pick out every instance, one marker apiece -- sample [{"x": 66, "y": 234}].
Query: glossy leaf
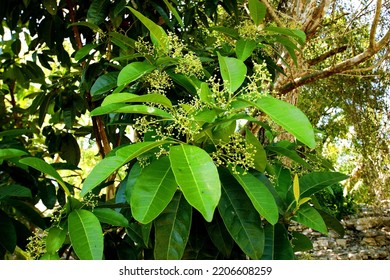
[
  {"x": 85, "y": 234},
  {"x": 241, "y": 218},
  {"x": 245, "y": 48},
  {"x": 220, "y": 236},
  {"x": 301, "y": 242},
  {"x": 46, "y": 168},
  {"x": 296, "y": 189},
  {"x": 133, "y": 72},
  {"x": 289, "y": 117},
  {"x": 104, "y": 83},
  {"x": 97, "y": 11},
  {"x": 145, "y": 110},
  {"x": 84, "y": 51},
  {"x": 197, "y": 177},
  {"x": 111, "y": 217},
  {"x": 316, "y": 181},
  {"x": 110, "y": 164},
  {"x": 308, "y": 216},
  {"x": 14, "y": 190},
  {"x": 283, "y": 249},
  {"x": 260, "y": 196},
  {"x": 172, "y": 229},
  {"x": 124, "y": 97},
  {"x": 257, "y": 11},
  {"x": 155, "y": 30},
  {"x": 153, "y": 190},
  {"x": 54, "y": 240},
  {"x": 233, "y": 72}
]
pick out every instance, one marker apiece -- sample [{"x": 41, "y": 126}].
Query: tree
[{"x": 165, "y": 85}]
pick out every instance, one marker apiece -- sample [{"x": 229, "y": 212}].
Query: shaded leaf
[
  {"x": 316, "y": 181},
  {"x": 7, "y": 232},
  {"x": 259, "y": 154},
  {"x": 111, "y": 217},
  {"x": 14, "y": 190},
  {"x": 104, "y": 83},
  {"x": 301, "y": 242}
]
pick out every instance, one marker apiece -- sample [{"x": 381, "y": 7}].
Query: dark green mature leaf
[
  {"x": 316, "y": 181},
  {"x": 261, "y": 198},
  {"x": 197, "y": 177},
  {"x": 269, "y": 246},
  {"x": 111, "y": 163},
  {"x": 308, "y": 216},
  {"x": 155, "y": 30},
  {"x": 153, "y": 190},
  {"x": 257, "y": 11},
  {"x": 289, "y": 117},
  {"x": 245, "y": 48},
  {"x": 174, "y": 12},
  {"x": 233, "y": 72},
  {"x": 97, "y": 11},
  {"x": 111, "y": 217},
  {"x": 220, "y": 236},
  {"x": 145, "y": 110},
  {"x": 122, "y": 41},
  {"x": 104, "y": 83},
  {"x": 46, "y": 168},
  {"x": 14, "y": 190},
  {"x": 259, "y": 154},
  {"x": 301, "y": 242},
  {"x": 27, "y": 211},
  {"x": 69, "y": 149},
  {"x": 172, "y": 229},
  {"x": 282, "y": 246},
  {"x": 332, "y": 222},
  {"x": 240, "y": 217},
  {"x": 7, "y": 232},
  {"x": 299, "y": 35},
  {"x": 85, "y": 234},
  {"x": 291, "y": 154},
  {"x": 133, "y": 72},
  {"x": 84, "y": 51}
]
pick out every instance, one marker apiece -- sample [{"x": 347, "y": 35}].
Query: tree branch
[
  {"x": 326, "y": 55},
  {"x": 272, "y": 13},
  {"x": 375, "y": 22}
]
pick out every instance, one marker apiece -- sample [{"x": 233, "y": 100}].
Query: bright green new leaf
[
  {"x": 296, "y": 190},
  {"x": 84, "y": 51},
  {"x": 261, "y": 198},
  {"x": 133, "y": 72},
  {"x": 11, "y": 153},
  {"x": 308, "y": 216},
  {"x": 50, "y": 257},
  {"x": 257, "y": 11},
  {"x": 46, "y": 168},
  {"x": 110, "y": 164},
  {"x": 54, "y": 240},
  {"x": 259, "y": 154},
  {"x": 111, "y": 217},
  {"x": 241, "y": 218},
  {"x": 197, "y": 177},
  {"x": 145, "y": 110},
  {"x": 153, "y": 190},
  {"x": 245, "y": 48},
  {"x": 86, "y": 235},
  {"x": 155, "y": 30},
  {"x": 130, "y": 97},
  {"x": 233, "y": 72},
  {"x": 289, "y": 117},
  {"x": 172, "y": 229}
]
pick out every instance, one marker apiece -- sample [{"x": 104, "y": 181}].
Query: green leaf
[
  {"x": 97, "y": 11},
  {"x": 332, "y": 222},
  {"x": 69, "y": 149},
  {"x": 282, "y": 246},
  {"x": 122, "y": 41},
  {"x": 296, "y": 189},
  {"x": 197, "y": 177},
  {"x": 46, "y": 168},
  {"x": 227, "y": 31},
  {"x": 95, "y": 28},
  {"x": 104, "y": 83},
  {"x": 11, "y": 153},
  {"x": 205, "y": 93},
  {"x": 220, "y": 236},
  {"x": 111, "y": 217},
  {"x": 84, "y": 51},
  {"x": 145, "y": 110},
  {"x": 130, "y": 97},
  {"x": 257, "y": 11},
  {"x": 299, "y": 35},
  {"x": 316, "y": 181},
  {"x": 233, "y": 72},
  {"x": 289, "y": 117},
  {"x": 153, "y": 190},
  {"x": 174, "y": 12},
  {"x": 54, "y": 240},
  {"x": 245, "y": 48},
  {"x": 50, "y": 6},
  {"x": 261, "y": 198},
  {"x": 133, "y": 72},
  {"x": 241, "y": 218},
  {"x": 308, "y": 216},
  {"x": 86, "y": 235},
  {"x": 107, "y": 109},
  {"x": 269, "y": 246},
  {"x": 291, "y": 154},
  {"x": 155, "y": 30},
  {"x": 14, "y": 190},
  {"x": 259, "y": 154},
  {"x": 172, "y": 229},
  {"x": 15, "y": 132},
  {"x": 7, "y": 232},
  {"x": 301, "y": 242},
  {"x": 110, "y": 164},
  {"x": 50, "y": 257}
]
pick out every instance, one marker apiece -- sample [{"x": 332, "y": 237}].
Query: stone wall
[{"x": 367, "y": 237}]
